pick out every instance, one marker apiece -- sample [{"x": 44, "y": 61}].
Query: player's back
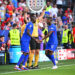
[
  {"x": 53, "y": 37},
  {"x": 25, "y": 36}
]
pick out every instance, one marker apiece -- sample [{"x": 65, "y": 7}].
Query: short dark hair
[
  {"x": 14, "y": 25},
  {"x": 49, "y": 18},
  {"x": 33, "y": 17},
  {"x": 2, "y": 36},
  {"x": 7, "y": 23}
]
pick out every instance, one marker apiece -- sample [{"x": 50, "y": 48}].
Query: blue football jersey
[
  {"x": 53, "y": 37},
  {"x": 25, "y": 36}
]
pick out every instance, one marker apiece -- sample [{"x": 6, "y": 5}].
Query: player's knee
[
  {"x": 46, "y": 52},
  {"x": 37, "y": 52},
  {"x": 25, "y": 53},
  {"x": 51, "y": 52},
  {"x": 33, "y": 51}
]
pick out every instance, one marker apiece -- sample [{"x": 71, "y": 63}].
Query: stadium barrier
[
  {"x": 65, "y": 54},
  {"x": 4, "y": 57},
  {"x": 14, "y": 54}
]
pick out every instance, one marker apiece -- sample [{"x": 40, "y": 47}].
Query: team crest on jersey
[
  {"x": 30, "y": 25},
  {"x": 51, "y": 28}
]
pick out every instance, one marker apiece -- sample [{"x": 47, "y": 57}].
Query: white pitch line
[{"x": 34, "y": 69}]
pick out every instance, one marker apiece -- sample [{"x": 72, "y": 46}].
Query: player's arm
[
  {"x": 47, "y": 35},
  {"x": 42, "y": 15},
  {"x": 28, "y": 32},
  {"x": 25, "y": 18}
]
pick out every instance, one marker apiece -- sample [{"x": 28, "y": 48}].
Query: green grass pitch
[{"x": 66, "y": 67}]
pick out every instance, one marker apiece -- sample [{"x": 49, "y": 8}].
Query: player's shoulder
[
  {"x": 29, "y": 23},
  {"x": 52, "y": 26}
]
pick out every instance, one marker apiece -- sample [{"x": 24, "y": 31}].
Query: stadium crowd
[{"x": 16, "y": 12}]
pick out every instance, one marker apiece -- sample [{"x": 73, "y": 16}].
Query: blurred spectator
[
  {"x": 73, "y": 45},
  {"x": 54, "y": 10},
  {"x": 48, "y": 7},
  {"x": 22, "y": 3},
  {"x": 70, "y": 18},
  {"x": 66, "y": 37},
  {"x": 68, "y": 10},
  {"x": 60, "y": 12},
  {"x": 41, "y": 35},
  {"x": 7, "y": 15},
  {"x": 59, "y": 3},
  {"x": 2, "y": 11},
  {"x": 64, "y": 19},
  {"x": 2, "y": 45},
  {"x": 14, "y": 35},
  {"x": 8, "y": 25},
  {"x": 55, "y": 19},
  {"x": 15, "y": 3},
  {"x": 10, "y": 7},
  {"x": 7, "y": 18}
]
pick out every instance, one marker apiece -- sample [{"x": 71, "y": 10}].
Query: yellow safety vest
[
  {"x": 35, "y": 29},
  {"x": 65, "y": 36},
  {"x": 70, "y": 38},
  {"x": 48, "y": 8},
  {"x": 46, "y": 40},
  {"x": 15, "y": 37}
]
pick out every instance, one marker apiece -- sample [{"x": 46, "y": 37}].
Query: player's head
[
  {"x": 49, "y": 20},
  {"x": 33, "y": 18}
]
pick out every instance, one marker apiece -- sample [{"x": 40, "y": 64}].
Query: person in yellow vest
[
  {"x": 48, "y": 7},
  {"x": 66, "y": 37},
  {"x": 34, "y": 48},
  {"x": 34, "y": 45},
  {"x": 45, "y": 32},
  {"x": 14, "y": 36}
]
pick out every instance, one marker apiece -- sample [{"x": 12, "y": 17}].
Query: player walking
[
  {"x": 25, "y": 40},
  {"x": 52, "y": 43}
]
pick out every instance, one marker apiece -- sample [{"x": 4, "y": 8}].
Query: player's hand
[
  {"x": 40, "y": 41},
  {"x": 37, "y": 40}
]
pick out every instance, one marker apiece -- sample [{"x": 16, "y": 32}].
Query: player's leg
[
  {"x": 37, "y": 55},
  {"x": 25, "y": 60},
  {"x": 24, "y": 49},
  {"x": 50, "y": 55},
  {"x": 31, "y": 55},
  {"x": 19, "y": 62},
  {"x": 26, "y": 54},
  {"x": 36, "y": 58}
]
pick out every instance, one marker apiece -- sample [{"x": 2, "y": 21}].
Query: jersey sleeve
[{"x": 29, "y": 27}]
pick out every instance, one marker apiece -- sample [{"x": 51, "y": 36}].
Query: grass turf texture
[{"x": 66, "y": 67}]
